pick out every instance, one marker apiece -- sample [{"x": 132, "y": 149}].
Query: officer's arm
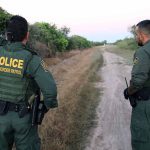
[
  {"x": 140, "y": 71},
  {"x": 45, "y": 81}
]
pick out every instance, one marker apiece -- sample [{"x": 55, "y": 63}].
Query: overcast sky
[{"x": 96, "y": 20}]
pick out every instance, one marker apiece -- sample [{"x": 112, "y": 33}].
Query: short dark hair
[
  {"x": 144, "y": 26},
  {"x": 16, "y": 29}
]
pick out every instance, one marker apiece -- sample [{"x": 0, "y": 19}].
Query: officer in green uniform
[
  {"x": 139, "y": 89},
  {"x": 22, "y": 73}
]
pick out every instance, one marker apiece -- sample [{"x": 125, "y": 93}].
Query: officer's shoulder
[
  {"x": 34, "y": 57},
  {"x": 144, "y": 50},
  {"x": 29, "y": 50}
]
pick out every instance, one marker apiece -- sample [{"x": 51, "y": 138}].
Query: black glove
[{"x": 126, "y": 94}]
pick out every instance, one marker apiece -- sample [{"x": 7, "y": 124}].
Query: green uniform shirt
[
  {"x": 37, "y": 69},
  {"x": 39, "y": 75},
  {"x": 141, "y": 69}
]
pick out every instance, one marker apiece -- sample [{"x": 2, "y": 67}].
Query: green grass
[
  {"x": 84, "y": 114},
  {"x": 127, "y": 44},
  {"x": 125, "y": 53},
  {"x": 68, "y": 127}
]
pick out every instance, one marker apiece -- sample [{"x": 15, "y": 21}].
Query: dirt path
[
  {"x": 59, "y": 130},
  {"x": 113, "y": 113},
  {"x": 71, "y": 71}
]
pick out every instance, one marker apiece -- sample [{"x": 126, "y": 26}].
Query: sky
[{"x": 96, "y": 20}]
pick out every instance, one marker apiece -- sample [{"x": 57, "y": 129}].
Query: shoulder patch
[
  {"x": 136, "y": 60},
  {"x": 44, "y": 65}
]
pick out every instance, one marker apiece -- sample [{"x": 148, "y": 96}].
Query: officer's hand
[{"x": 126, "y": 94}]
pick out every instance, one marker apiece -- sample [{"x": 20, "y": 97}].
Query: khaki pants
[
  {"x": 19, "y": 131},
  {"x": 140, "y": 126}
]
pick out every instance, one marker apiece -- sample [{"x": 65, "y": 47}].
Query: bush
[
  {"x": 4, "y": 16},
  {"x": 47, "y": 39},
  {"x": 127, "y": 43},
  {"x": 78, "y": 42}
]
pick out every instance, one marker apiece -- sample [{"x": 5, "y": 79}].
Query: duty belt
[
  {"x": 143, "y": 94},
  {"x": 13, "y": 107}
]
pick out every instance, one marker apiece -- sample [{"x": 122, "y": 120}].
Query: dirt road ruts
[{"x": 112, "y": 131}]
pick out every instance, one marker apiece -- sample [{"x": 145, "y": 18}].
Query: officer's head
[
  {"x": 17, "y": 29},
  {"x": 142, "y": 32}
]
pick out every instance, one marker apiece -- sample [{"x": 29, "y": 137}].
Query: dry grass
[
  {"x": 125, "y": 53},
  {"x": 60, "y": 57},
  {"x": 65, "y": 127}
]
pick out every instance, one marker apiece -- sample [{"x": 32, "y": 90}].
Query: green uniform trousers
[
  {"x": 140, "y": 126},
  {"x": 19, "y": 131}
]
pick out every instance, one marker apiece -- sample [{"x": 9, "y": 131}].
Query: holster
[
  {"x": 132, "y": 100},
  {"x": 23, "y": 110},
  {"x": 38, "y": 112},
  {"x": 41, "y": 112}
]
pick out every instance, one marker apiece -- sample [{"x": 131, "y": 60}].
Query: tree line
[
  {"x": 47, "y": 39},
  {"x": 128, "y": 43}
]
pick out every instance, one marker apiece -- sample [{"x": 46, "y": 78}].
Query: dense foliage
[
  {"x": 47, "y": 39},
  {"x": 127, "y": 43},
  {"x": 4, "y": 16}
]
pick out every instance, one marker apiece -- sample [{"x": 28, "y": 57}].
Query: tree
[
  {"x": 64, "y": 30},
  {"x": 52, "y": 37},
  {"x": 47, "y": 39},
  {"x": 132, "y": 30},
  {"x": 4, "y": 16},
  {"x": 78, "y": 42}
]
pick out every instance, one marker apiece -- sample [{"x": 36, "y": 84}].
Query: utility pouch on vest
[{"x": 3, "y": 107}]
